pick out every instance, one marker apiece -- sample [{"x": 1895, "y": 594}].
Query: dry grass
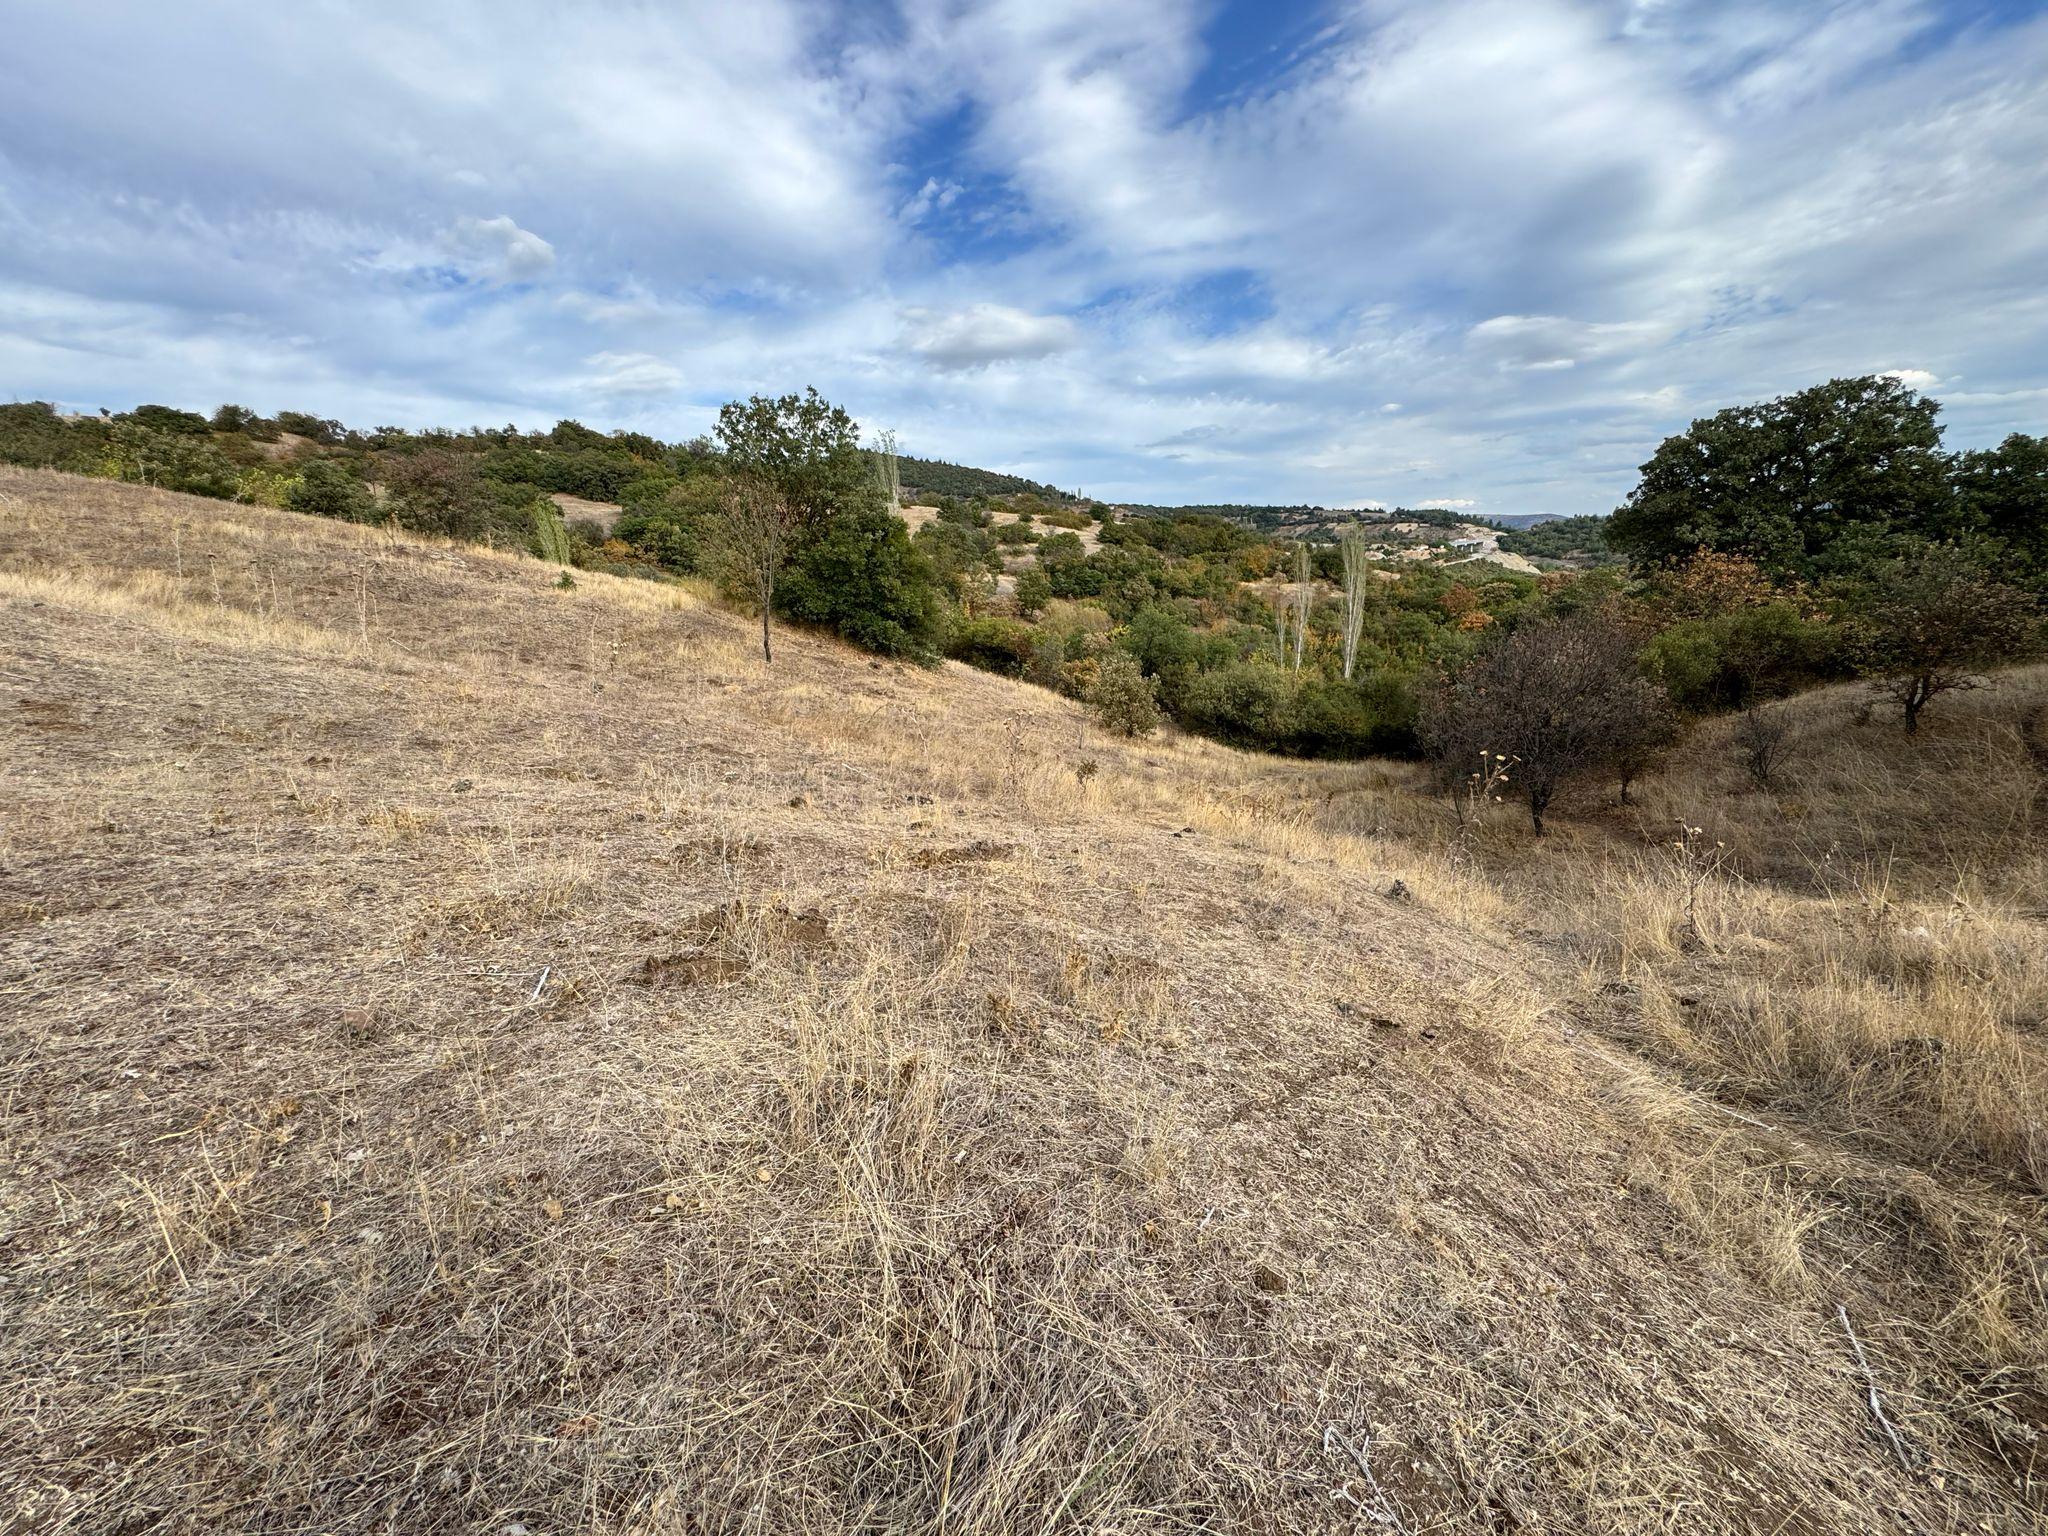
[{"x": 475, "y": 1055}]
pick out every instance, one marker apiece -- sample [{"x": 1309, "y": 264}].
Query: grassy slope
[{"x": 474, "y": 1053}]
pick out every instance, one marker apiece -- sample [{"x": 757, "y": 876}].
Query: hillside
[{"x": 485, "y": 1056}]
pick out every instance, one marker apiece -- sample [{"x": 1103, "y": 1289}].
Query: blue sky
[{"x": 1474, "y": 253}]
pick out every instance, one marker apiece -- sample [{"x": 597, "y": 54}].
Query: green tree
[
  {"x": 1939, "y": 623},
  {"x": 862, "y": 576},
  {"x": 806, "y": 447},
  {"x": 2002, "y": 494},
  {"x": 1034, "y": 591},
  {"x": 1815, "y": 483},
  {"x": 1123, "y": 697}
]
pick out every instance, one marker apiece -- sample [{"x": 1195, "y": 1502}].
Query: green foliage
[
  {"x": 550, "y": 533},
  {"x": 166, "y": 419},
  {"x": 994, "y": 644},
  {"x": 239, "y": 419},
  {"x": 317, "y": 429},
  {"x": 1936, "y": 622},
  {"x": 175, "y": 461},
  {"x": 1561, "y": 538},
  {"x": 328, "y": 488},
  {"x": 2002, "y": 496},
  {"x": 1034, "y": 591},
  {"x": 666, "y": 521},
  {"x": 1811, "y": 484},
  {"x": 1123, "y": 696},
  {"x": 33, "y": 434},
  {"x": 860, "y": 575},
  {"x": 262, "y": 487},
  {"x": 936, "y": 478},
  {"x": 805, "y": 447},
  {"x": 1732, "y": 659}
]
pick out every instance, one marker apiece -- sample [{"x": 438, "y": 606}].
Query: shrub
[
  {"x": 1248, "y": 702},
  {"x": 1123, "y": 696},
  {"x": 326, "y": 488},
  {"x": 994, "y": 644},
  {"x": 1938, "y": 623},
  {"x": 861, "y": 575},
  {"x": 1763, "y": 737},
  {"x": 1562, "y": 699}
]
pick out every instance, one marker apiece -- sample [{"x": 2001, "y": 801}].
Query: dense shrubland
[{"x": 1820, "y": 537}]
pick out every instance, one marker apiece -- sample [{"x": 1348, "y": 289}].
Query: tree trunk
[{"x": 767, "y": 650}]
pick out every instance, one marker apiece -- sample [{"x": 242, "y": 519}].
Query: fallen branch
[
  {"x": 1381, "y": 1510},
  {"x": 1870, "y": 1380}
]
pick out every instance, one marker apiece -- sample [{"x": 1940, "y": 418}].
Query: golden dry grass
[{"x": 475, "y": 1056}]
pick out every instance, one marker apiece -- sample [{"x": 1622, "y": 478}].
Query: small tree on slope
[
  {"x": 750, "y": 541},
  {"x": 1562, "y": 700},
  {"x": 1938, "y": 624}
]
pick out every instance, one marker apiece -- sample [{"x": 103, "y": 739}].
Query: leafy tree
[
  {"x": 1034, "y": 591},
  {"x": 1938, "y": 624},
  {"x": 240, "y": 419},
  {"x": 1812, "y": 483},
  {"x": 806, "y": 447},
  {"x": 166, "y": 419},
  {"x": 1561, "y": 699},
  {"x": 174, "y": 461},
  {"x": 1123, "y": 697},
  {"x": 318, "y": 429},
  {"x": 668, "y": 521},
  {"x": 862, "y": 576},
  {"x": 32, "y": 433},
  {"x": 2003, "y": 497},
  {"x": 438, "y": 490}
]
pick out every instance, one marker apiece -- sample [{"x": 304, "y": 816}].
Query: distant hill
[
  {"x": 935, "y": 477},
  {"x": 1306, "y": 521}
]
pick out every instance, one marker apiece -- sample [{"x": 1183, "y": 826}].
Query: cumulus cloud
[
  {"x": 1440, "y": 250},
  {"x": 1448, "y": 504},
  {"x": 498, "y": 248},
  {"x": 982, "y": 334},
  {"x": 1913, "y": 378}
]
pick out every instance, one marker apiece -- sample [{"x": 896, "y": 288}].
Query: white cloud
[
  {"x": 934, "y": 194},
  {"x": 1913, "y": 378},
  {"x": 499, "y": 249},
  {"x": 1448, "y": 504},
  {"x": 1484, "y": 249},
  {"x": 985, "y": 333},
  {"x": 612, "y": 374}
]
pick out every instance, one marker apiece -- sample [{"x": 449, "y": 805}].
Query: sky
[{"x": 1475, "y": 254}]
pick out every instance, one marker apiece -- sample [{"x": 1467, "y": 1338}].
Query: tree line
[{"x": 1820, "y": 537}]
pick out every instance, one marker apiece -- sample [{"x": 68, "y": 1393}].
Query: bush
[
  {"x": 1561, "y": 699},
  {"x": 326, "y": 488},
  {"x": 1250, "y": 703},
  {"x": 1123, "y": 696},
  {"x": 666, "y": 521},
  {"x": 994, "y": 644},
  {"x": 861, "y": 575}
]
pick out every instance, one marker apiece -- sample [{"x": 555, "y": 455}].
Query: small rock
[
  {"x": 1268, "y": 1279},
  {"x": 462, "y": 786}
]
